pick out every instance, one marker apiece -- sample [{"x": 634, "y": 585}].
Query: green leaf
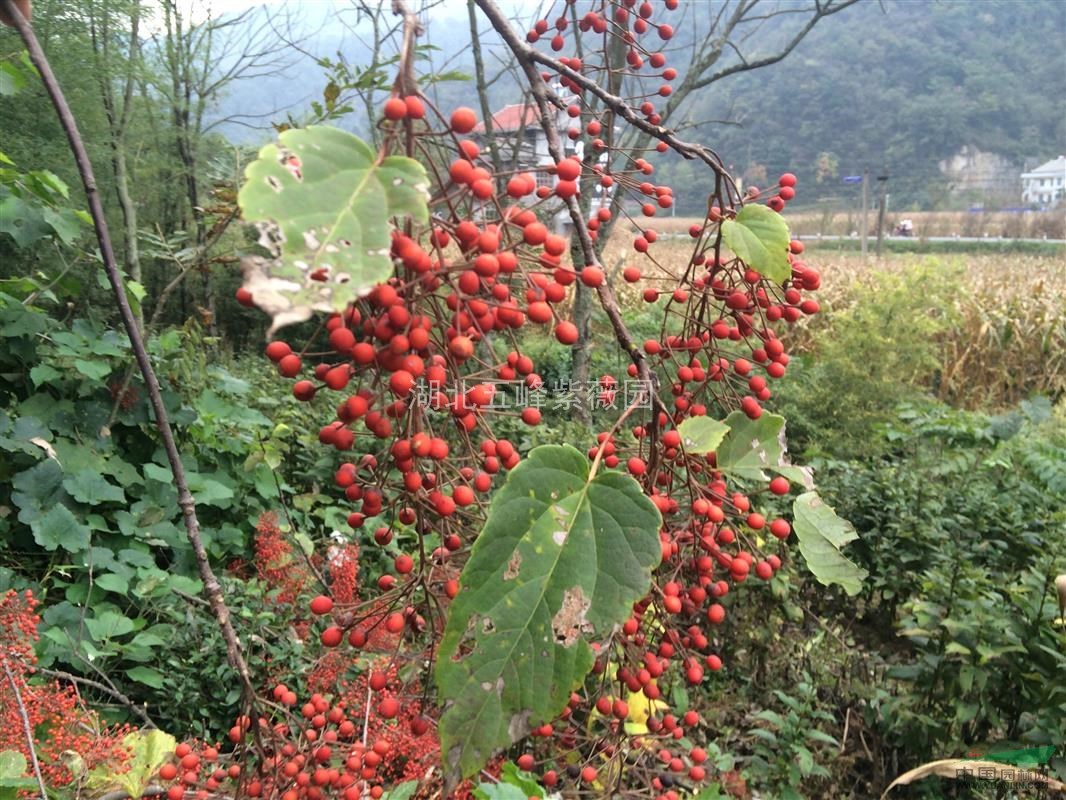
[
  {"x": 401, "y": 792},
  {"x": 12, "y": 81},
  {"x": 759, "y": 237},
  {"x": 816, "y": 735},
  {"x": 44, "y": 373},
  {"x": 305, "y": 543},
  {"x": 333, "y": 211},
  {"x": 65, "y": 222},
  {"x": 57, "y": 527},
  {"x": 754, "y": 446},
  {"x": 13, "y": 768},
  {"x": 108, "y": 624},
  {"x": 147, "y": 676},
  {"x": 701, "y": 435},
  {"x": 821, "y": 534},
  {"x": 512, "y": 775},
  {"x": 561, "y": 559},
  {"x": 112, "y": 583},
  {"x": 157, "y": 472},
  {"x": 95, "y": 370},
  {"x": 89, "y": 486},
  {"x": 148, "y": 751},
  {"x": 499, "y": 791}
]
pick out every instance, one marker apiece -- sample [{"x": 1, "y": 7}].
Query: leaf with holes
[
  {"x": 759, "y": 237},
  {"x": 326, "y": 200},
  {"x": 754, "y": 446},
  {"x": 701, "y": 435},
  {"x": 561, "y": 560},
  {"x": 821, "y": 534}
]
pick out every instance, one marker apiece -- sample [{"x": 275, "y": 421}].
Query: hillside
[{"x": 898, "y": 87}]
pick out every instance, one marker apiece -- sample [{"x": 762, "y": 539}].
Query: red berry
[
  {"x": 416, "y": 109},
  {"x": 395, "y": 109},
  {"x": 401, "y": 382},
  {"x": 566, "y": 332},
  {"x": 463, "y": 120},
  {"x": 321, "y": 605},
  {"x": 290, "y": 365},
  {"x": 276, "y": 351},
  {"x": 592, "y": 276}
]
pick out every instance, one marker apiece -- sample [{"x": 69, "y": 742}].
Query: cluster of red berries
[
  {"x": 418, "y": 365},
  {"x": 61, "y": 722},
  {"x": 326, "y": 748}
]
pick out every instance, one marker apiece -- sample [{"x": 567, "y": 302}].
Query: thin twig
[
  {"x": 544, "y": 99},
  {"x": 77, "y": 679},
  {"x": 27, "y": 729},
  {"x": 212, "y": 588}
]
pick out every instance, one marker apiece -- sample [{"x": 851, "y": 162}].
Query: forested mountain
[{"x": 895, "y": 87}]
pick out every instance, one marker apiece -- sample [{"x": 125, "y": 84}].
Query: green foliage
[
  {"x": 332, "y": 200},
  {"x": 788, "y": 745},
  {"x": 759, "y": 237},
  {"x": 962, "y": 528},
  {"x": 91, "y": 520},
  {"x": 34, "y": 205},
  {"x": 561, "y": 559},
  {"x": 868, "y": 358}
]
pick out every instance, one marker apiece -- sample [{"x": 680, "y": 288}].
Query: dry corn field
[
  {"x": 1004, "y": 332},
  {"x": 991, "y": 224}
]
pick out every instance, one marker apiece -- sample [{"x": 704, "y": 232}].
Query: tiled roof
[{"x": 511, "y": 118}]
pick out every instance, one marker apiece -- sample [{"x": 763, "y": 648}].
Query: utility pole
[
  {"x": 883, "y": 180},
  {"x": 865, "y": 229}
]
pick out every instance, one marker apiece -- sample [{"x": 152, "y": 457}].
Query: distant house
[
  {"x": 523, "y": 147},
  {"x": 1045, "y": 185},
  {"x": 522, "y": 140}
]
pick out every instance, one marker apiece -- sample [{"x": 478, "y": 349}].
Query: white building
[
  {"x": 1045, "y": 185},
  {"x": 524, "y": 148}
]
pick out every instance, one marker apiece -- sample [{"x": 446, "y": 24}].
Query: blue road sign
[{"x": 852, "y": 179}]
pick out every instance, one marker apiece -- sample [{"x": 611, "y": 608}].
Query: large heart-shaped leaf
[
  {"x": 562, "y": 559},
  {"x": 328, "y": 199},
  {"x": 759, "y": 237},
  {"x": 821, "y": 534}
]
